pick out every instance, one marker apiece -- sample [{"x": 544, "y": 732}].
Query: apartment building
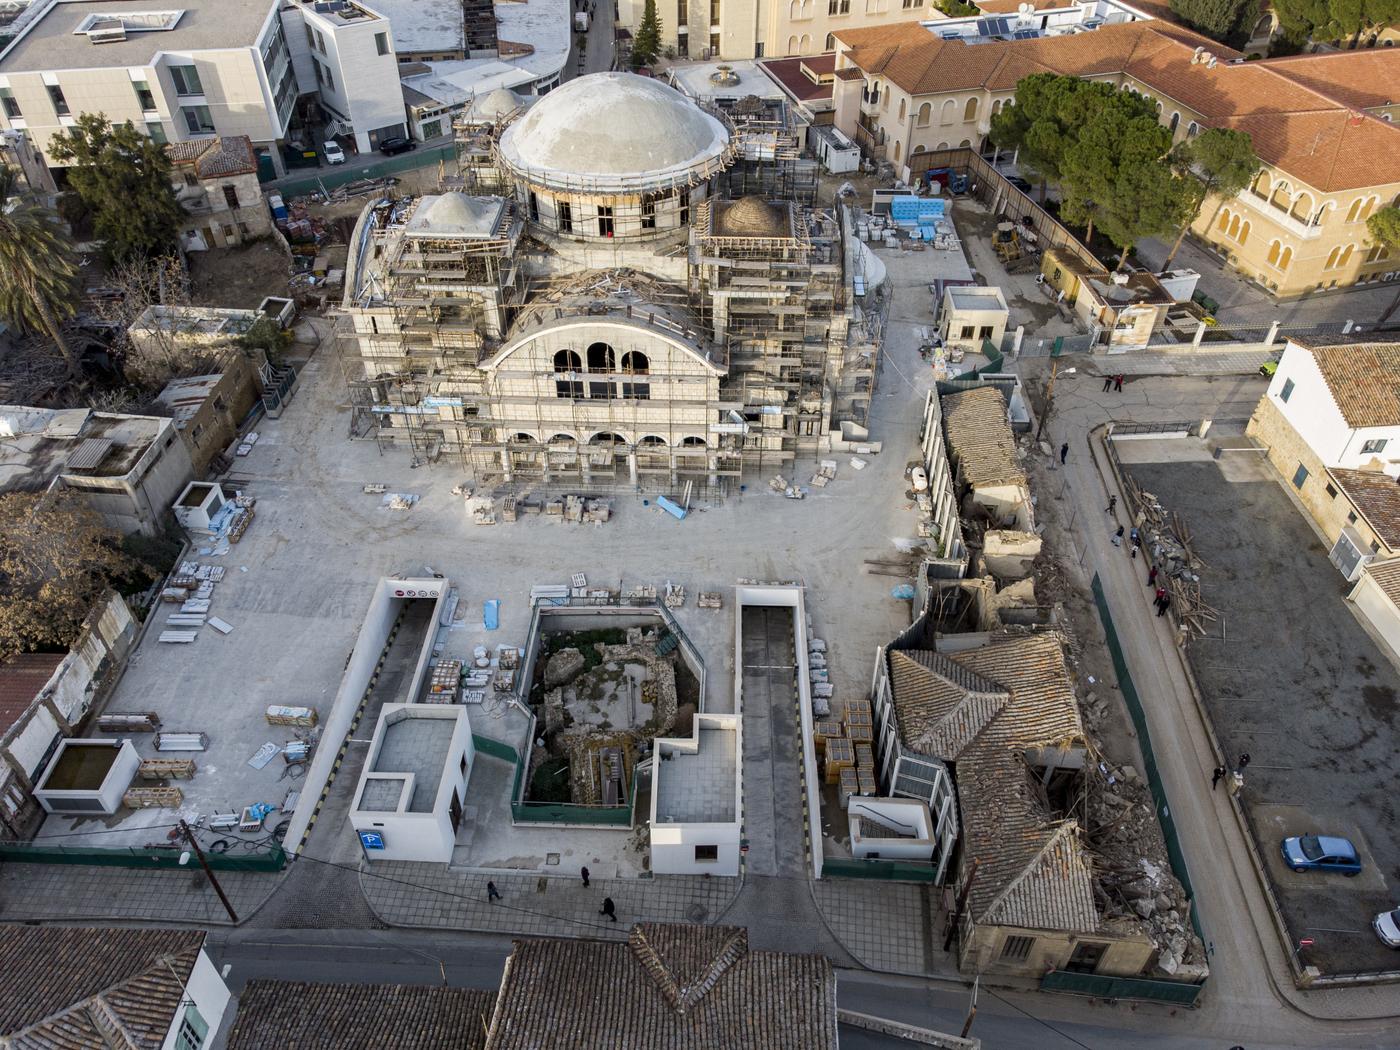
[
  {"x": 209, "y": 68},
  {"x": 1321, "y": 124},
  {"x": 738, "y": 29}
]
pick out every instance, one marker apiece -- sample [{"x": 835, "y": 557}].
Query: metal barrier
[
  {"x": 883, "y": 870},
  {"x": 1102, "y": 987},
  {"x": 378, "y": 168},
  {"x": 146, "y": 857},
  {"x": 524, "y": 812},
  {"x": 1175, "y": 854}
]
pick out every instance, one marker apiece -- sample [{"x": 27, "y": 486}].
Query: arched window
[
  {"x": 965, "y": 143},
  {"x": 918, "y": 148},
  {"x": 794, "y": 10},
  {"x": 562, "y": 439},
  {"x": 1345, "y": 257},
  {"x": 950, "y": 112},
  {"x": 1159, "y": 109},
  {"x": 606, "y": 438},
  {"x": 693, "y": 442},
  {"x": 1281, "y": 197},
  {"x": 567, "y": 361},
  {"x": 1192, "y": 130},
  {"x": 1274, "y": 248},
  {"x": 652, "y": 441},
  {"x": 1261, "y": 186},
  {"x": 634, "y": 362},
  {"x": 1332, "y": 258},
  {"x": 925, "y": 114},
  {"x": 1302, "y": 206},
  {"x": 601, "y": 358},
  {"x": 996, "y": 106},
  {"x": 521, "y": 439},
  {"x": 1244, "y": 234},
  {"x": 943, "y": 145},
  {"x": 830, "y": 42},
  {"x": 901, "y": 109},
  {"x": 1234, "y": 231},
  {"x": 970, "y": 110},
  {"x": 1285, "y": 257},
  {"x": 1224, "y": 224},
  {"x": 792, "y": 45},
  {"x": 896, "y": 152},
  {"x": 805, "y": 43},
  {"x": 1176, "y": 119}
]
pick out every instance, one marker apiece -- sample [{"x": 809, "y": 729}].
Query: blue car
[{"x": 1321, "y": 853}]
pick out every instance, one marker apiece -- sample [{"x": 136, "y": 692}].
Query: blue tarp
[
  {"x": 916, "y": 211},
  {"x": 492, "y": 613},
  {"x": 903, "y": 591},
  {"x": 673, "y": 509}
]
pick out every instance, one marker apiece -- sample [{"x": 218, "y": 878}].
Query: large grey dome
[{"x": 609, "y": 127}]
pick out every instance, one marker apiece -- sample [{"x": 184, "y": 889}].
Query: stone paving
[
  {"x": 407, "y": 894},
  {"x": 73, "y": 893},
  {"x": 887, "y": 926},
  {"x": 1184, "y": 362}
]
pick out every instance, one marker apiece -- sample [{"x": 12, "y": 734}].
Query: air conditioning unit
[{"x": 1350, "y": 554}]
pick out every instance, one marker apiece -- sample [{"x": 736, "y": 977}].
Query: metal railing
[{"x": 148, "y": 857}]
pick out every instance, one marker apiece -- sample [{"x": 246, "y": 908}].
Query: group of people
[
  {"x": 609, "y": 909},
  {"x": 1114, "y": 383}
]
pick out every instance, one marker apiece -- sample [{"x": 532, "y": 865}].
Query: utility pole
[
  {"x": 971, "y": 1008},
  {"x": 199, "y": 853},
  {"x": 1045, "y": 409}
]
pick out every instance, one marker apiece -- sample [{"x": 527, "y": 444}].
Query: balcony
[{"x": 1280, "y": 218}]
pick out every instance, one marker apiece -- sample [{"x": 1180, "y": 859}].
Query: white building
[
  {"x": 208, "y": 68},
  {"x": 409, "y": 801},
  {"x": 109, "y": 987},
  {"x": 696, "y": 786},
  {"x": 971, "y": 316}
]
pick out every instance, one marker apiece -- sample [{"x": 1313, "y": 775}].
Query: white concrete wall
[
  {"x": 1378, "y": 611},
  {"x": 114, "y": 785},
  {"x": 673, "y": 845},
  {"x": 367, "y": 90},
  {"x": 906, "y": 811},
  {"x": 210, "y": 996},
  {"x": 369, "y": 643},
  {"x": 1313, "y": 413},
  {"x": 33, "y": 741}
]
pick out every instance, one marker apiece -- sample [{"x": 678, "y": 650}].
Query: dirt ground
[{"x": 239, "y": 277}]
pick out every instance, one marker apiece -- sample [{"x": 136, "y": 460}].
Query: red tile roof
[
  {"x": 1364, "y": 79},
  {"x": 20, "y": 681},
  {"x": 1299, "y": 115},
  {"x": 226, "y": 155}
]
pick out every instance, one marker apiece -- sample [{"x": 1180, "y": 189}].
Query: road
[
  {"x": 598, "y": 55},
  {"x": 1014, "y": 1022},
  {"x": 1248, "y": 966}
]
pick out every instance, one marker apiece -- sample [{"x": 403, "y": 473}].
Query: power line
[{"x": 1038, "y": 1020}]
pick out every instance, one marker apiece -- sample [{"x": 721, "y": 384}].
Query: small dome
[
  {"x": 455, "y": 215},
  {"x": 752, "y": 217},
  {"x": 493, "y": 105},
  {"x": 612, "y": 125}
]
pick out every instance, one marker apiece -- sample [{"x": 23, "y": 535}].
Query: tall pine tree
[{"x": 646, "y": 45}]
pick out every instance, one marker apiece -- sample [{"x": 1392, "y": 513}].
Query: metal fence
[
  {"x": 151, "y": 858},
  {"x": 1154, "y": 779},
  {"x": 380, "y": 167},
  {"x": 1102, "y": 987},
  {"x": 524, "y": 812},
  {"x": 883, "y": 870}
]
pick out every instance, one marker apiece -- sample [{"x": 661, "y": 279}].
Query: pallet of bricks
[
  {"x": 444, "y": 682},
  {"x": 242, "y": 519}
]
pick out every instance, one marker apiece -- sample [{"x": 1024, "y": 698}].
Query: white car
[
  {"x": 334, "y": 154},
  {"x": 1387, "y": 927}
]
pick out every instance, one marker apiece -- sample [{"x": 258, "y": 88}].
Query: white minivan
[{"x": 334, "y": 154}]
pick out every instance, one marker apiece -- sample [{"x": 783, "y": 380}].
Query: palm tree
[{"x": 38, "y": 269}]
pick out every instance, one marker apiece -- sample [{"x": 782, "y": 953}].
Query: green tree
[
  {"x": 38, "y": 271},
  {"x": 1114, "y": 172},
  {"x": 1221, "y": 163},
  {"x": 124, "y": 178},
  {"x": 56, "y": 558},
  {"x": 646, "y": 45},
  {"x": 1325, "y": 20},
  {"x": 1219, "y": 19},
  {"x": 1039, "y": 124},
  {"x": 1384, "y": 228}
]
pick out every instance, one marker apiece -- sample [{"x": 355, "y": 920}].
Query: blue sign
[{"x": 371, "y": 840}]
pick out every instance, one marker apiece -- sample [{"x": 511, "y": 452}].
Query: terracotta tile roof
[
  {"x": 1362, "y": 79},
  {"x": 212, "y": 158},
  {"x": 1387, "y": 577},
  {"x": 21, "y": 678},
  {"x": 311, "y": 1016},
  {"x": 1376, "y": 497},
  {"x": 1363, "y": 379},
  {"x": 980, "y": 708},
  {"x": 670, "y": 987},
  {"x": 1299, "y": 113},
  {"x": 57, "y": 978},
  {"x": 979, "y": 437}
]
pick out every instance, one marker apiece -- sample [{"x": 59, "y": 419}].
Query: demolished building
[{"x": 658, "y": 301}]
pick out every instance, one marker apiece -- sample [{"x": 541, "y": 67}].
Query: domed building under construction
[{"x": 622, "y": 287}]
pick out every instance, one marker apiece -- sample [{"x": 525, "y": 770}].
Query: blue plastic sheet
[
  {"x": 904, "y": 592},
  {"x": 492, "y": 613}
]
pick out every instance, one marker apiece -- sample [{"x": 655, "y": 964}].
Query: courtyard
[{"x": 1290, "y": 677}]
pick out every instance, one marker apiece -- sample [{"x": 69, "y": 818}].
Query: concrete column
[
  {"x": 1273, "y": 334},
  {"x": 632, "y": 466},
  {"x": 1016, "y": 346},
  {"x": 1200, "y": 334},
  {"x": 505, "y": 463}
]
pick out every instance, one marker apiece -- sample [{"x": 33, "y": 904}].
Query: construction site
[{"x": 662, "y": 305}]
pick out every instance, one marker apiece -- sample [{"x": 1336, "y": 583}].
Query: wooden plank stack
[
  {"x": 279, "y": 715},
  {"x": 153, "y": 798},
  {"x": 166, "y": 769}
]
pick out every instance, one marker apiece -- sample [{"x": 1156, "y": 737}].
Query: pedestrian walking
[
  {"x": 492, "y": 894},
  {"x": 1112, "y": 502},
  {"x": 1164, "y": 605},
  {"x": 1118, "y": 384},
  {"x": 1064, "y": 453},
  {"x": 1107, "y": 384},
  {"x": 1157, "y": 598},
  {"x": 1244, "y": 760},
  {"x": 1215, "y": 777},
  {"x": 1118, "y": 537},
  {"x": 1151, "y": 576},
  {"x": 584, "y": 872},
  {"x": 609, "y": 909}
]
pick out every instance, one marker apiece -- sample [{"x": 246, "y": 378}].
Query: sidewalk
[
  {"x": 429, "y": 896},
  {"x": 1187, "y": 361},
  {"x": 891, "y": 927},
  {"x": 82, "y": 893}
]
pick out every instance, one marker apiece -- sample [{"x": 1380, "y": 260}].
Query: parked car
[
  {"x": 334, "y": 154},
  {"x": 1321, "y": 853},
  {"x": 1268, "y": 368},
  {"x": 1387, "y": 927},
  {"x": 397, "y": 144},
  {"x": 1020, "y": 183}
]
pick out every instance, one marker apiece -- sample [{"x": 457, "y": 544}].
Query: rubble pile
[{"x": 1167, "y": 541}]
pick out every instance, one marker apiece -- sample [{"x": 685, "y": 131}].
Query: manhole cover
[{"x": 697, "y": 913}]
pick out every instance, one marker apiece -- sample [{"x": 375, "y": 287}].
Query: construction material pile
[{"x": 1167, "y": 540}]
